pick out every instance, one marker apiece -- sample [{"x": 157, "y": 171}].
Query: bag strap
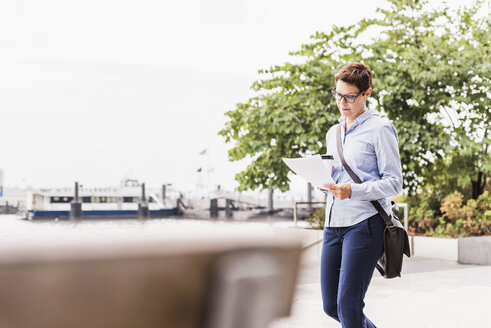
[{"x": 356, "y": 179}]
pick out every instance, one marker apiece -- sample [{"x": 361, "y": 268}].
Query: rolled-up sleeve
[{"x": 386, "y": 148}]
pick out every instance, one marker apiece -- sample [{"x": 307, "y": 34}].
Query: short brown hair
[{"x": 358, "y": 74}]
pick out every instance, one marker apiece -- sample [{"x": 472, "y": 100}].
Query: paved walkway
[{"x": 431, "y": 293}]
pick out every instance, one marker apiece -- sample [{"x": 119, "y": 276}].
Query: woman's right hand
[{"x": 340, "y": 190}]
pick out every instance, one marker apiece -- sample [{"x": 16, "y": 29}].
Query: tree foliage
[{"x": 431, "y": 79}]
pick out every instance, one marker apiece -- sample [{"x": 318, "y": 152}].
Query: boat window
[
  {"x": 86, "y": 200},
  {"x": 131, "y": 199},
  {"x": 57, "y": 199}
]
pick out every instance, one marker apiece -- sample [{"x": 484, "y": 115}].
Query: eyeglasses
[{"x": 347, "y": 98}]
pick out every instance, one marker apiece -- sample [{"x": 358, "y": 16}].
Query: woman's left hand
[{"x": 340, "y": 191}]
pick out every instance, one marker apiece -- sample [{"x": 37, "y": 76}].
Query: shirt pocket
[
  {"x": 369, "y": 161},
  {"x": 359, "y": 155}
]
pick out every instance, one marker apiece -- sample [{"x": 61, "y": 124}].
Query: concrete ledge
[
  {"x": 468, "y": 250},
  {"x": 475, "y": 250},
  {"x": 435, "y": 247},
  {"x": 428, "y": 247},
  {"x": 311, "y": 244},
  {"x": 181, "y": 279}
]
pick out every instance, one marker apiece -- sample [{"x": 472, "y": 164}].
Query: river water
[{"x": 16, "y": 230}]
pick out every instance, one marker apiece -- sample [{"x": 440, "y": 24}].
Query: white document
[{"x": 312, "y": 169}]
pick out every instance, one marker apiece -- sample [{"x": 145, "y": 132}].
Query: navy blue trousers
[{"x": 349, "y": 255}]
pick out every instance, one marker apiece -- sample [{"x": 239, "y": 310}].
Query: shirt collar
[{"x": 360, "y": 119}]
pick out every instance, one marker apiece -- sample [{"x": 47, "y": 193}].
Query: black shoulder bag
[{"x": 396, "y": 242}]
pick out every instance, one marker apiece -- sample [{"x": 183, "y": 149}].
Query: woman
[{"x": 353, "y": 228}]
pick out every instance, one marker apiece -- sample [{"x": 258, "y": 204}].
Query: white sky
[{"x": 96, "y": 90}]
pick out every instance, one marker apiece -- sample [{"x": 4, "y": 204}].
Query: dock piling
[
  {"x": 76, "y": 205},
  {"x": 228, "y": 208},
  {"x": 143, "y": 212},
  {"x": 213, "y": 208},
  {"x": 164, "y": 187},
  {"x": 270, "y": 200}
]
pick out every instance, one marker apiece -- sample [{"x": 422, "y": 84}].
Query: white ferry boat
[{"x": 106, "y": 202}]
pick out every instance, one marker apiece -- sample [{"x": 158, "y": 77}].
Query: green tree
[
  {"x": 438, "y": 82},
  {"x": 431, "y": 78}
]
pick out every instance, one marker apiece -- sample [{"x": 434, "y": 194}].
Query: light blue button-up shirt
[{"x": 370, "y": 148}]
